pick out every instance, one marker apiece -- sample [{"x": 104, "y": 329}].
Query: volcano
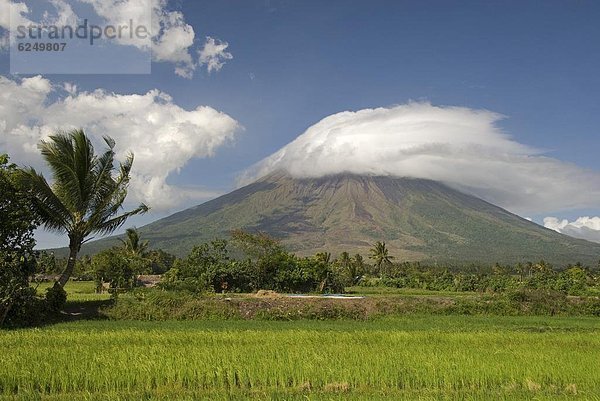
[{"x": 418, "y": 219}]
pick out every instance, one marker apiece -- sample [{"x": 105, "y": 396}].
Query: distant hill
[{"x": 418, "y": 219}]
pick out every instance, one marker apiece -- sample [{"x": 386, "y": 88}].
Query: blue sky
[{"x": 296, "y": 62}]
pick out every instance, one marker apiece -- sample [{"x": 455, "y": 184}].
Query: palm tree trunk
[{"x": 66, "y": 274}]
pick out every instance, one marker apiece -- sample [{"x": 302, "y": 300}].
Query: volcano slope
[{"x": 418, "y": 219}]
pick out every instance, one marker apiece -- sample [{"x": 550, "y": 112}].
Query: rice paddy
[
  {"x": 412, "y": 357},
  {"x": 78, "y": 291}
]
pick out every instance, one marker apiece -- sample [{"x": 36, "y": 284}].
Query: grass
[
  {"x": 410, "y": 357},
  {"x": 392, "y": 291},
  {"x": 77, "y": 291}
]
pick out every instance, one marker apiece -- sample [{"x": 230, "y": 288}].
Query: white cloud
[
  {"x": 63, "y": 15},
  {"x": 163, "y": 136},
  {"x": 459, "y": 146},
  {"x": 13, "y": 11},
  {"x": 584, "y": 227},
  {"x": 214, "y": 54},
  {"x": 172, "y": 38}
]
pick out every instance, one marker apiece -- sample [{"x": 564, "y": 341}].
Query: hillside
[{"x": 418, "y": 219}]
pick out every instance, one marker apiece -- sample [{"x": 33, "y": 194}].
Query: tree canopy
[{"x": 17, "y": 257}]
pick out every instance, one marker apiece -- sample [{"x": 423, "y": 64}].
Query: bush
[
  {"x": 56, "y": 297},
  {"x": 539, "y": 301},
  {"x": 113, "y": 267},
  {"x": 267, "y": 266}
]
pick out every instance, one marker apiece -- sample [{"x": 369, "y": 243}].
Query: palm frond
[
  {"x": 52, "y": 212},
  {"x": 104, "y": 183},
  {"x": 59, "y": 153},
  {"x": 83, "y": 165},
  {"x": 110, "y": 225}
]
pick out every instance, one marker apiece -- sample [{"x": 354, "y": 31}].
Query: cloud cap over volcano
[{"x": 459, "y": 146}]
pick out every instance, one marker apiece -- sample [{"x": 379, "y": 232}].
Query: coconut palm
[
  {"x": 324, "y": 257},
  {"x": 358, "y": 267},
  {"x": 85, "y": 197},
  {"x": 380, "y": 254},
  {"x": 358, "y": 261},
  {"x": 133, "y": 244},
  {"x": 344, "y": 259}
]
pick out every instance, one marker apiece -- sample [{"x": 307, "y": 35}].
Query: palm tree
[
  {"x": 324, "y": 257},
  {"x": 85, "y": 196},
  {"x": 358, "y": 261},
  {"x": 379, "y": 253},
  {"x": 344, "y": 260},
  {"x": 132, "y": 243},
  {"x": 358, "y": 267},
  {"x": 521, "y": 270}
]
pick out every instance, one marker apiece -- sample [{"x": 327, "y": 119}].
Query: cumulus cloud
[
  {"x": 584, "y": 227},
  {"x": 162, "y": 135},
  {"x": 172, "y": 38},
  {"x": 462, "y": 147},
  {"x": 214, "y": 54},
  {"x": 63, "y": 14},
  {"x": 13, "y": 11}
]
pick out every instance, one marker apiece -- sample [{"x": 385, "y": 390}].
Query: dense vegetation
[
  {"x": 251, "y": 262},
  {"x": 17, "y": 257}
]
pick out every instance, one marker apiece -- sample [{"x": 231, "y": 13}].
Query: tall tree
[
  {"x": 17, "y": 257},
  {"x": 324, "y": 257},
  {"x": 358, "y": 261},
  {"x": 133, "y": 244},
  {"x": 344, "y": 260},
  {"x": 380, "y": 254},
  {"x": 86, "y": 195},
  {"x": 357, "y": 267}
]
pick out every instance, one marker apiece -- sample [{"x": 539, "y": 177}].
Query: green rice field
[
  {"x": 401, "y": 358},
  {"x": 78, "y": 291}
]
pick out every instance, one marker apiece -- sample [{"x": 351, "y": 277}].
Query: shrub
[
  {"x": 113, "y": 267},
  {"x": 56, "y": 297}
]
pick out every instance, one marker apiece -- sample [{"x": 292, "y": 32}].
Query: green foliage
[
  {"x": 84, "y": 269},
  {"x": 256, "y": 246},
  {"x": 47, "y": 263},
  {"x": 56, "y": 297},
  {"x": 266, "y": 265},
  {"x": 204, "y": 269},
  {"x": 133, "y": 244},
  {"x": 117, "y": 268},
  {"x": 85, "y": 197},
  {"x": 17, "y": 257},
  {"x": 17, "y": 298},
  {"x": 575, "y": 280},
  {"x": 159, "y": 261},
  {"x": 380, "y": 255}
]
